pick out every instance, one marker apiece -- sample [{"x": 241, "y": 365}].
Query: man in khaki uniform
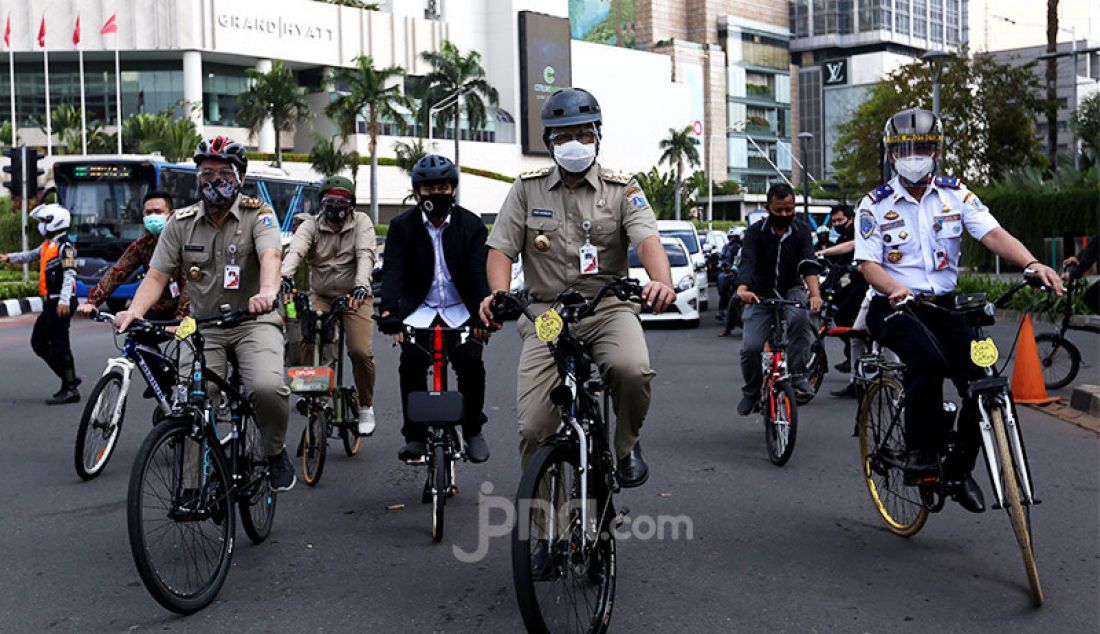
[
  {"x": 339, "y": 246},
  {"x": 562, "y": 219},
  {"x": 228, "y": 246}
]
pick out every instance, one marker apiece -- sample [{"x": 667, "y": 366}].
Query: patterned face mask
[{"x": 220, "y": 192}]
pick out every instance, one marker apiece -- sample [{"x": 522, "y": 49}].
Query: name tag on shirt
[
  {"x": 232, "y": 278},
  {"x": 590, "y": 260},
  {"x": 174, "y": 289}
]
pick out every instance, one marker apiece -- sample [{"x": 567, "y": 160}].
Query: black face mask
[
  {"x": 780, "y": 222},
  {"x": 437, "y": 205},
  {"x": 336, "y": 214}
]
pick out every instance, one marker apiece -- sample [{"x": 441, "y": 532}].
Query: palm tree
[
  {"x": 374, "y": 90},
  {"x": 142, "y": 133},
  {"x": 273, "y": 95},
  {"x": 1052, "y": 84},
  {"x": 5, "y": 134},
  {"x": 679, "y": 146},
  {"x": 64, "y": 121},
  {"x": 408, "y": 154},
  {"x": 178, "y": 139},
  {"x": 452, "y": 73}
]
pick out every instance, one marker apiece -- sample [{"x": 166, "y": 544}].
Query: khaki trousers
[
  {"x": 617, "y": 344},
  {"x": 359, "y": 329}
]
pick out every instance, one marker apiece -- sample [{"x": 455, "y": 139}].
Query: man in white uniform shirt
[{"x": 434, "y": 273}]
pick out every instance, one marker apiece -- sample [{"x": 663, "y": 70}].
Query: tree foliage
[
  {"x": 660, "y": 191},
  {"x": 679, "y": 146},
  {"x": 988, "y": 109},
  {"x": 452, "y": 72},
  {"x": 1086, "y": 125},
  {"x": 173, "y": 137},
  {"x": 275, "y": 96}
]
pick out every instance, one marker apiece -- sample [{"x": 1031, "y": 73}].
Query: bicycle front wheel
[
  {"x": 100, "y": 426},
  {"x": 438, "y": 474},
  {"x": 1059, "y": 358},
  {"x": 348, "y": 434},
  {"x": 255, "y": 499},
  {"x": 179, "y": 517},
  {"x": 781, "y": 423},
  {"x": 1017, "y": 512},
  {"x": 315, "y": 446},
  {"x": 563, "y": 571},
  {"x": 816, "y": 370},
  {"x": 882, "y": 452}
]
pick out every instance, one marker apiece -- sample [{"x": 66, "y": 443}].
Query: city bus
[{"x": 104, "y": 196}]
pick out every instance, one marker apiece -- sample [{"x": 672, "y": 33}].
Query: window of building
[
  {"x": 901, "y": 17},
  {"x": 761, "y": 50},
  {"x": 809, "y": 115},
  {"x": 953, "y": 37},
  {"x": 935, "y": 21},
  {"x": 220, "y": 89},
  {"x": 800, "y": 17},
  {"x": 920, "y": 20},
  {"x": 759, "y": 85}
]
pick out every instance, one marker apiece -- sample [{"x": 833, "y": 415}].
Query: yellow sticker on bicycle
[
  {"x": 548, "y": 325},
  {"x": 185, "y": 329},
  {"x": 984, "y": 353}
]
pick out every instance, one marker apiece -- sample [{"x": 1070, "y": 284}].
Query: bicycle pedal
[{"x": 417, "y": 462}]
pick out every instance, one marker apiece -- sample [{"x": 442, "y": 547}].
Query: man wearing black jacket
[
  {"x": 434, "y": 273},
  {"x": 777, "y": 256}
]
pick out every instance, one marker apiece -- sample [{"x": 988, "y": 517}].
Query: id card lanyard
[
  {"x": 589, "y": 256},
  {"x": 232, "y": 277}
]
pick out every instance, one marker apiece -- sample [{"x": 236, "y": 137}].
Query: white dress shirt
[{"x": 443, "y": 299}]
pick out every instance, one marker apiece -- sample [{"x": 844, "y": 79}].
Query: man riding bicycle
[
  {"x": 909, "y": 243},
  {"x": 729, "y": 306},
  {"x": 339, "y": 245},
  {"x": 228, "y": 245},
  {"x": 777, "y": 258},
  {"x": 570, "y": 223}
]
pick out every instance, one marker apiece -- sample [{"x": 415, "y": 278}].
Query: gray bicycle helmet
[
  {"x": 570, "y": 106},
  {"x": 913, "y": 129},
  {"x": 434, "y": 168}
]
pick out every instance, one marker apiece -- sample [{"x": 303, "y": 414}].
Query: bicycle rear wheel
[
  {"x": 882, "y": 452},
  {"x": 1059, "y": 358},
  {"x": 315, "y": 446},
  {"x": 350, "y": 439},
  {"x": 781, "y": 423},
  {"x": 816, "y": 370},
  {"x": 1017, "y": 512},
  {"x": 571, "y": 588},
  {"x": 99, "y": 427},
  {"x": 179, "y": 517},
  {"x": 255, "y": 500},
  {"x": 438, "y": 474}
]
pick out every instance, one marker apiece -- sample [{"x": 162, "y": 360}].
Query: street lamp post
[
  {"x": 803, "y": 141},
  {"x": 935, "y": 66},
  {"x": 440, "y": 106}
]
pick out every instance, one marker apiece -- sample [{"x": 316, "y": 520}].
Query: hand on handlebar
[
  {"x": 1048, "y": 276},
  {"x": 87, "y": 309},
  {"x": 357, "y": 297},
  {"x": 261, "y": 303},
  {"x": 658, "y": 296},
  {"x": 898, "y": 294},
  {"x": 748, "y": 297},
  {"x": 485, "y": 312},
  {"x": 816, "y": 303},
  {"x": 123, "y": 320}
]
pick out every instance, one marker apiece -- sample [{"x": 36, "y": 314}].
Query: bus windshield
[{"x": 105, "y": 201}]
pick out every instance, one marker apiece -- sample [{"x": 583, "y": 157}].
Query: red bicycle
[{"x": 777, "y": 398}]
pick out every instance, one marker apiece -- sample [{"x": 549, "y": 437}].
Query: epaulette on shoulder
[
  {"x": 879, "y": 193},
  {"x": 539, "y": 173},
  {"x": 949, "y": 182},
  {"x": 186, "y": 212},
  {"x": 615, "y": 177},
  {"x": 247, "y": 202}
]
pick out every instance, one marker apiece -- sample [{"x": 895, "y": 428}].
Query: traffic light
[
  {"x": 15, "y": 183},
  {"x": 31, "y": 171}
]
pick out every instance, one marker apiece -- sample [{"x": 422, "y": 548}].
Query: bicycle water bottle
[{"x": 291, "y": 310}]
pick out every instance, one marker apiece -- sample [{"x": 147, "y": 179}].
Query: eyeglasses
[
  {"x": 335, "y": 202},
  {"x": 226, "y": 173},
  {"x": 436, "y": 188},
  {"x": 561, "y": 138}
]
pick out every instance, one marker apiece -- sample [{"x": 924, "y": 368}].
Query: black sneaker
[
  {"x": 281, "y": 472},
  {"x": 477, "y": 450},
  {"x": 747, "y": 405},
  {"x": 66, "y": 396},
  {"x": 413, "y": 450},
  {"x": 844, "y": 367},
  {"x": 802, "y": 386},
  {"x": 849, "y": 391}
]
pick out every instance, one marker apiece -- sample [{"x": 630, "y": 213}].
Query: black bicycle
[
  {"x": 777, "y": 396},
  {"x": 192, "y": 473},
  {"x": 1059, "y": 357},
  {"x": 330, "y": 407},
  {"x": 903, "y": 502},
  {"x": 563, "y": 542},
  {"x": 101, "y": 422}
]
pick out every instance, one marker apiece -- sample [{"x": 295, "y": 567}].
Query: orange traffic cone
[{"x": 1027, "y": 375}]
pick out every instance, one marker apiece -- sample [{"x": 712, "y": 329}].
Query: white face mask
[
  {"x": 916, "y": 168},
  {"x": 574, "y": 156}
]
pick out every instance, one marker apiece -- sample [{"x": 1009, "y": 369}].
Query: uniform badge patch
[
  {"x": 891, "y": 215},
  {"x": 267, "y": 220},
  {"x": 894, "y": 256},
  {"x": 638, "y": 200},
  {"x": 866, "y": 223},
  {"x": 542, "y": 213}
]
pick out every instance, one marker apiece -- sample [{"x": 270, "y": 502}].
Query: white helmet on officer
[
  {"x": 914, "y": 141},
  {"x": 51, "y": 218}
]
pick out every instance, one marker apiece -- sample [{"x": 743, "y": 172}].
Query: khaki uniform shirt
[
  {"x": 339, "y": 260},
  {"x": 539, "y": 204},
  {"x": 191, "y": 242}
]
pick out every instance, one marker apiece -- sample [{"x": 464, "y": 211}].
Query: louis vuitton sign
[{"x": 834, "y": 72}]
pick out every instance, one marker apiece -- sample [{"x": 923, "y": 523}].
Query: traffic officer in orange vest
[{"x": 57, "y": 286}]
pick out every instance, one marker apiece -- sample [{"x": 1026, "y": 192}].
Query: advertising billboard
[
  {"x": 544, "y": 68},
  {"x": 608, "y": 22}
]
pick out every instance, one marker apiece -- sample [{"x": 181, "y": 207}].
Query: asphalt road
[{"x": 796, "y": 549}]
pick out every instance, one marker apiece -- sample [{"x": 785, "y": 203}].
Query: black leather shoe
[
  {"x": 67, "y": 395},
  {"x": 413, "y": 450},
  {"x": 633, "y": 470},
  {"x": 802, "y": 386},
  {"x": 540, "y": 560},
  {"x": 849, "y": 391},
  {"x": 747, "y": 405},
  {"x": 919, "y": 466},
  {"x": 477, "y": 450},
  {"x": 968, "y": 494},
  {"x": 844, "y": 367}
]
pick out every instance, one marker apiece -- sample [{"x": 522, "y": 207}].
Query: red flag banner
[
  {"x": 42, "y": 33},
  {"x": 110, "y": 26},
  {"x": 7, "y": 33},
  {"x": 76, "y": 31}
]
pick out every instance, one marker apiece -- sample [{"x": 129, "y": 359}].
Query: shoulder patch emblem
[
  {"x": 186, "y": 212},
  {"x": 949, "y": 182},
  {"x": 878, "y": 194},
  {"x": 529, "y": 174},
  {"x": 866, "y": 223},
  {"x": 267, "y": 219},
  {"x": 638, "y": 200},
  {"x": 615, "y": 177},
  {"x": 247, "y": 202}
]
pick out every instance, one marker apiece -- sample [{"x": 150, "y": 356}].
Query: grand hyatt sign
[{"x": 277, "y": 27}]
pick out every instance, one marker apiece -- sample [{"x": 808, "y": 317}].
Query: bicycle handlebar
[{"x": 574, "y": 306}]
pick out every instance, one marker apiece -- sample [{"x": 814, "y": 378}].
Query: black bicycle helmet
[
  {"x": 222, "y": 148},
  {"x": 913, "y": 129},
  {"x": 434, "y": 168},
  {"x": 570, "y": 106}
]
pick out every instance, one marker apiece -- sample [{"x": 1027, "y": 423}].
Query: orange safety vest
[{"x": 47, "y": 253}]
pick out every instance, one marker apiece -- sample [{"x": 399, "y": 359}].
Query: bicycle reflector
[{"x": 310, "y": 380}]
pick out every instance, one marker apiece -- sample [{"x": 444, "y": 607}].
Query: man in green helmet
[{"x": 339, "y": 245}]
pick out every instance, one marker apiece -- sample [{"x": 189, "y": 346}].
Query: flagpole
[
  {"x": 11, "y": 76},
  {"x": 49, "y": 119},
  {"x": 118, "y": 96},
  {"x": 83, "y": 110}
]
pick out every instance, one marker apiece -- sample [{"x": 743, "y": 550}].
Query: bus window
[{"x": 180, "y": 183}]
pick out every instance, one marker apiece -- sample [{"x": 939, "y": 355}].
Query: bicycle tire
[
  {"x": 439, "y": 491},
  {"x": 1017, "y": 513},
  {"x": 780, "y": 433},
  {"x": 1054, "y": 350},
  {"x": 175, "y": 434},
  {"x": 902, "y": 516},
  {"x": 315, "y": 446},
  {"x": 599, "y": 573},
  {"x": 816, "y": 370},
  {"x": 255, "y": 501},
  {"x": 350, "y": 439},
  {"x": 92, "y": 428}
]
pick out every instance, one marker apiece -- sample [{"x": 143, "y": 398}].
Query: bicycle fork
[
  {"x": 126, "y": 368},
  {"x": 1015, "y": 443}
]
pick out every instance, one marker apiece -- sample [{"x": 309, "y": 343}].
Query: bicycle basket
[{"x": 310, "y": 380}]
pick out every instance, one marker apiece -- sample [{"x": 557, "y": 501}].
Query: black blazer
[{"x": 408, "y": 265}]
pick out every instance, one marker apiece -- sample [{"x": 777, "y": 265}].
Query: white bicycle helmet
[{"x": 51, "y": 218}]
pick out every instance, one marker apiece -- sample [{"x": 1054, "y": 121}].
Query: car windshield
[
  {"x": 691, "y": 241},
  {"x": 676, "y": 256}
]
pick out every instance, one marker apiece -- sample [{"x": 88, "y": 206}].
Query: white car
[
  {"x": 686, "y": 307},
  {"x": 685, "y": 231}
]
